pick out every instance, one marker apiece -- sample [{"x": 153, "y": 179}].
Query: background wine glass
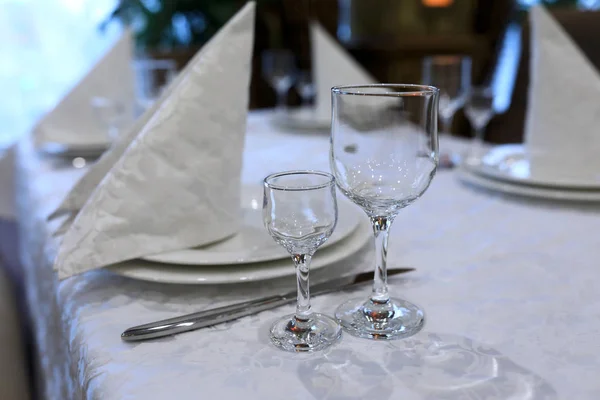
[
  {"x": 383, "y": 164},
  {"x": 300, "y": 212},
  {"x": 479, "y": 110},
  {"x": 279, "y": 69},
  {"x": 113, "y": 115},
  {"x": 451, "y": 74},
  {"x": 152, "y": 76},
  {"x": 305, "y": 86}
]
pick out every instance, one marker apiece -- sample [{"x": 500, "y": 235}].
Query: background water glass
[{"x": 451, "y": 74}]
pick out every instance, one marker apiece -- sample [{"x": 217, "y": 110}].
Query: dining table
[{"x": 510, "y": 287}]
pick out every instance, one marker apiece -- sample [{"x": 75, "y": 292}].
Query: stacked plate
[
  {"x": 249, "y": 255},
  {"x": 509, "y": 169}
]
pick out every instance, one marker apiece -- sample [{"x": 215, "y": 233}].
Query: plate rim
[
  {"x": 498, "y": 185},
  {"x": 158, "y": 258},
  {"x": 275, "y": 269},
  {"x": 493, "y": 173}
]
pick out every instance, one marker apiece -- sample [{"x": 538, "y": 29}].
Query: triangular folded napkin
[
  {"x": 332, "y": 66},
  {"x": 72, "y": 121},
  {"x": 173, "y": 181},
  {"x": 562, "y": 132}
]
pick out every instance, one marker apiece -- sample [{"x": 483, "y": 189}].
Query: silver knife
[{"x": 215, "y": 316}]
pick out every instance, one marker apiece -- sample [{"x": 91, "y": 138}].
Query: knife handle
[{"x": 202, "y": 319}]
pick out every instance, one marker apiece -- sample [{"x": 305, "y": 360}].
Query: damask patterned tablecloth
[{"x": 511, "y": 290}]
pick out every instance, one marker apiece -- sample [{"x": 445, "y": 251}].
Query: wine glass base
[
  {"x": 318, "y": 333},
  {"x": 395, "y": 319}
]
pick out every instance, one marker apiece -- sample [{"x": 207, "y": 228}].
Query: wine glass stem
[
  {"x": 381, "y": 226},
  {"x": 302, "y": 262},
  {"x": 281, "y": 99},
  {"x": 446, "y": 125}
]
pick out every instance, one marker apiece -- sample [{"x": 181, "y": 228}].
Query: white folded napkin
[
  {"x": 7, "y": 184},
  {"x": 173, "y": 181},
  {"x": 562, "y": 132},
  {"x": 332, "y": 66},
  {"x": 73, "y": 121}
]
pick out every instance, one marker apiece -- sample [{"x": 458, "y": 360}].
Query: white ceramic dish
[
  {"x": 91, "y": 150},
  {"x": 302, "y": 119},
  {"x": 467, "y": 176},
  {"x": 252, "y": 243},
  {"x": 181, "y": 274},
  {"x": 512, "y": 163}
]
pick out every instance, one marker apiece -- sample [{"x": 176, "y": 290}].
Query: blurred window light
[
  {"x": 588, "y": 4},
  {"x": 45, "y": 47}
]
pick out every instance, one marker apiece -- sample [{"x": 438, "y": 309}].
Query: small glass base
[
  {"x": 395, "y": 319},
  {"x": 317, "y": 333}
]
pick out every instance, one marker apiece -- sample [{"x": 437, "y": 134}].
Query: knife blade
[{"x": 219, "y": 315}]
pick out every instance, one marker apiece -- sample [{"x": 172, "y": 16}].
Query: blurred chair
[{"x": 584, "y": 28}]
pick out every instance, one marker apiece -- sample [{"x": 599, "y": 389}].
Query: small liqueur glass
[
  {"x": 384, "y": 154},
  {"x": 300, "y": 213}
]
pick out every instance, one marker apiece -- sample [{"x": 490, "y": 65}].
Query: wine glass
[
  {"x": 383, "y": 165},
  {"x": 305, "y": 87},
  {"x": 153, "y": 76},
  {"x": 479, "y": 110},
  {"x": 300, "y": 212},
  {"x": 452, "y": 75},
  {"x": 279, "y": 69},
  {"x": 113, "y": 115}
]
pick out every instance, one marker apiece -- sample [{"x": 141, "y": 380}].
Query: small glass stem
[
  {"x": 381, "y": 226},
  {"x": 447, "y": 125},
  {"x": 281, "y": 99},
  {"x": 302, "y": 262}
]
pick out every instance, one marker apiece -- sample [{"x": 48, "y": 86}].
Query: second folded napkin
[
  {"x": 332, "y": 65},
  {"x": 563, "y": 116},
  {"x": 173, "y": 181}
]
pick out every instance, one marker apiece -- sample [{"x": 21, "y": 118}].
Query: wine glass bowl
[
  {"x": 300, "y": 213},
  {"x": 384, "y": 154},
  {"x": 279, "y": 69}
]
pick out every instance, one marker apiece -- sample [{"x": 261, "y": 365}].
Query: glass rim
[
  {"x": 274, "y": 186},
  {"x": 412, "y": 90}
]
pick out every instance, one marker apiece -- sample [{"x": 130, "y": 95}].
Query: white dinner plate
[
  {"x": 252, "y": 243},
  {"x": 302, "y": 119},
  {"x": 182, "y": 274},
  {"x": 466, "y": 175},
  {"x": 90, "y": 150},
  {"x": 511, "y": 163}
]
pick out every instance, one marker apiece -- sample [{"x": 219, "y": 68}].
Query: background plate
[{"x": 165, "y": 273}]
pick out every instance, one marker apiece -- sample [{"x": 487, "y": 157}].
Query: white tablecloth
[{"x": 511, "y": 290}]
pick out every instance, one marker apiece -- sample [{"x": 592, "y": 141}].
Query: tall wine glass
[
  {"x": 300, "y": 212},
  {"x": 452, "y": 75},
  {"x": 383, "y": 165},
  {"x": 279, "y": 69},
  {"x": 479, "y": 110}
]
